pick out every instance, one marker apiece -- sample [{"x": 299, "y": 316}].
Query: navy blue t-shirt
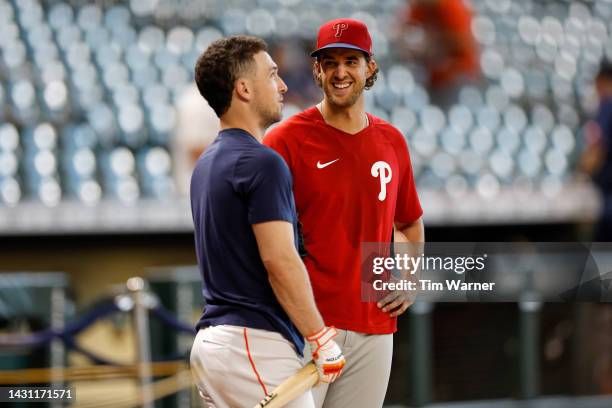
[
  {"x": 604, "y": 177},
  {"x": 236, "y": 183}
]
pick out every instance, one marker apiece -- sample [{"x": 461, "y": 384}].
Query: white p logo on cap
[{"x": 339, "y": 27}]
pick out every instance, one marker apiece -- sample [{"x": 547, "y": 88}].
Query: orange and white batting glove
[{"x": 326, "y": 354}]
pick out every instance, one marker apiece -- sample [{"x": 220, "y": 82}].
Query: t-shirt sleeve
[
  {"x": 267, "y": 187},
  {"x": 408, "y": 207}
]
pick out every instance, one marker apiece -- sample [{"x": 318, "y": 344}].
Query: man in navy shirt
[
  {"x": 259, "y": 302},
  {"x": 597, "y": 158}
]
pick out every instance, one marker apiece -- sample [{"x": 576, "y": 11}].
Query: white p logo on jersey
[{"x": 383, "y": 170}]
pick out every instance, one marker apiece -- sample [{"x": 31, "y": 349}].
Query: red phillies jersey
[{"x": 348, "y": 189}]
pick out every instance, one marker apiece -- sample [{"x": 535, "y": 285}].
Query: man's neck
[
  {"x": 350, "y": 120},
  {"x": 235, "y": 120}
]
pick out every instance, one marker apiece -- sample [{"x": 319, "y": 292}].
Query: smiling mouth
[{"x": 341, "y": 86}]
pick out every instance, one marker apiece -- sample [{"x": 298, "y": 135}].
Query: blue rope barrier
[
  {"x": 102, "y": 310},
  {"x": 37, "y": 339},
  {"x": 70, "y": 343},
  {"x": 165, "y": 316}
]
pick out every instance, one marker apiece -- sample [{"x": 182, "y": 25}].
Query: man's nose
[
  {"x": 282, "y": 86},
  {"x": 340, "y": 71}
]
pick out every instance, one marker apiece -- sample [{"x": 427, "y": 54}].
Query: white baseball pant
[{"x": 238, "y": 366}]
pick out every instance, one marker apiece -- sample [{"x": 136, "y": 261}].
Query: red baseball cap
[{"x": 344, "y": 33}]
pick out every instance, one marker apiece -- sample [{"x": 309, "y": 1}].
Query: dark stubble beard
[
  {"x": 267, "y": 116},
  {"x": 348, "y": 102}
]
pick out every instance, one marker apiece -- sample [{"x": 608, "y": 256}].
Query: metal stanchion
[
  {"x": 529, "y": 341},
  {"x": 58, "y": 352},
  {"x": 421, "y": 352},
  {"x": 143, "y": 342},
  {"x": 184, "y": 310},
  {"x": 179, "y": 289}
]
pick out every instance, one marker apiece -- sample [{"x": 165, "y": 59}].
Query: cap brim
[{"x": 338, "y": 45}]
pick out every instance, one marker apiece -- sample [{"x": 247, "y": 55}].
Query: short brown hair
[
  {"x": 224, "y": 61},
  {"x": 369, "y": 81}
]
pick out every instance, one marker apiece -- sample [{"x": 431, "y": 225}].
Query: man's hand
[
  {"x": 326, "y": 354},
  {"x": 396, "y": 302}
]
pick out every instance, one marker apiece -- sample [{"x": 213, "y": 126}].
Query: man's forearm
[
  {"x": 291, "y": 285},
  {"x": 412, "y": 236},
  {"x": 414, "y": 232}
]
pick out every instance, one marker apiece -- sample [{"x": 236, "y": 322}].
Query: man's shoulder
[
  {"x": 263, "y": 159},
  {"x": 293, "y": 126},
  {"x": 386, "y": 128}
]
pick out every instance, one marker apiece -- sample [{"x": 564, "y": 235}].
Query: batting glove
[{"x": 326, "y": 354}]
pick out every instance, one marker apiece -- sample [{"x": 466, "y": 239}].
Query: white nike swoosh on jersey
[{"x": 323, "y": 165}]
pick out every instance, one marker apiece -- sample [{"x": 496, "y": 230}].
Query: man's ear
[
  {"x": 316, "y": 72},
  {"x": 244, "y": 89},
  {"x": 371, "y": 67}
]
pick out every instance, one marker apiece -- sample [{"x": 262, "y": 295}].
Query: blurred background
[{"x": 503, "y": 106}]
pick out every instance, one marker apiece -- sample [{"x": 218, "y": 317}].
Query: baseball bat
[{"x": 291, "y": 388}]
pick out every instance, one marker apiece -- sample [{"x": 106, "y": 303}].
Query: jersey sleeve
[
  {"x": 408, "y": 208},
  {"x": 267, "y": 185}
]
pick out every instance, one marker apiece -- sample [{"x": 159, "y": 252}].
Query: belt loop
[{"x": 348, "y": 338}]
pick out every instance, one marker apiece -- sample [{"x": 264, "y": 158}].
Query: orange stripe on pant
[{"x": 246, "y": 342}]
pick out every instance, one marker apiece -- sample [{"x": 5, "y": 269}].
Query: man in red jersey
[{"x": 353, "y": 183}]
